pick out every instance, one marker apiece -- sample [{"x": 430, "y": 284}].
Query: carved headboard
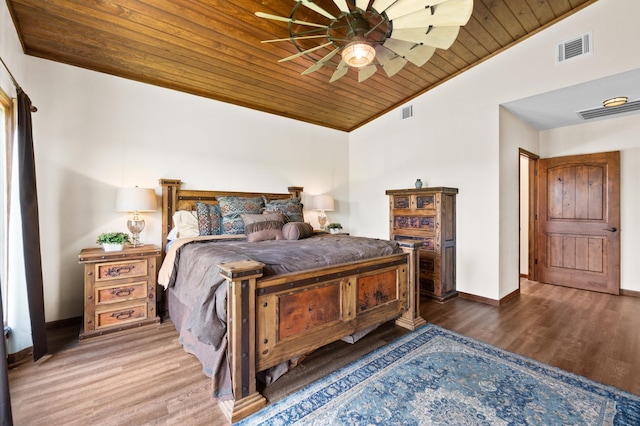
[{"x": 175, "y": 198}]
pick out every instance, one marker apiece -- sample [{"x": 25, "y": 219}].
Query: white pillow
[
  {"x": 185, "y": 224},
  {"x": 173, "y": 234}
]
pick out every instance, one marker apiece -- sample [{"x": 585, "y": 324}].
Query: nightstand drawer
[
  {"x": 120, "y": 315},
  {"x": 119, "y": 270},
  {"x": 121, "y": 292}
]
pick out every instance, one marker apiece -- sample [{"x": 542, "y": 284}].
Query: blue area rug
[{"x": 436, "y": 377}]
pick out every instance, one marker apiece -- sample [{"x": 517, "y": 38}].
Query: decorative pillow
[
  {"x": 209, "y": 218},
  {"x": 297, "y": 230},
  {"x": 292, "y": 208},
  {"x": 173, "y": 234},
  {"x": 253, "y": 218},
  {"x": 264, "y": 230},
  {"x": 232, "y": 207},
  {"x": 185, "y": 224}
]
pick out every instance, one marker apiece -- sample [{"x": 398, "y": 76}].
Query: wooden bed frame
[{"x": 271, "y": 320}]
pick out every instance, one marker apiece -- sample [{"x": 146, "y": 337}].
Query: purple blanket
[{"x": 197, "y": 282}]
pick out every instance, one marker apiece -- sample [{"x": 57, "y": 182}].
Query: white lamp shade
[
  {"x": 323, "y": 202},
  {"x": 136, "y": 199}
]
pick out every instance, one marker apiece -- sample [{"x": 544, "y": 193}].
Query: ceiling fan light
[
  {"x": 358, "y": 54},
  {"x": 614, "y": 102}
]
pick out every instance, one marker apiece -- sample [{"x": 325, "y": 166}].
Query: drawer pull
[
  {"x": 115, "y": 271},
  {"x": 121, "y": 292},
  {"x": 122, "y": 315}
]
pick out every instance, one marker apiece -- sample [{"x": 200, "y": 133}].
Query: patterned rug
[{"x": 436, "y": 377}]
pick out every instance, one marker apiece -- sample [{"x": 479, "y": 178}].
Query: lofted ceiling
[{"x": 212, "y": 48}]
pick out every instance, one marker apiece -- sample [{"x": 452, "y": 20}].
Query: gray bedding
[{"x": 197, "y": 282}]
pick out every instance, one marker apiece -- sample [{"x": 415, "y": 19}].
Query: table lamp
[
  {"x": 135, "y": 200},
  {"x": 324, "y": 203}
]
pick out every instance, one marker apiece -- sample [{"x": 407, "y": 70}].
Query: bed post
[
  {"x": 295, "y": 191},
  {"x": 412, "y": 319},
  {"x": 169, "y": 206},
  {"x": 241, "y": 337}
]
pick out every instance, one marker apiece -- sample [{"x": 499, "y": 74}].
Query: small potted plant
[
  {"x": 334, "y": 228},
  {"x": 113, "y": 241}
]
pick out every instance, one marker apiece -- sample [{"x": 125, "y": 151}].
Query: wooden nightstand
[{"x": 119, "y": 289}]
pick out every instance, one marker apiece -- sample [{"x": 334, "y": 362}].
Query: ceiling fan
[{"x": 387, "y": 32}]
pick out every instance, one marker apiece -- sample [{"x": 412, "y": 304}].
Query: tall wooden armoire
[{"x": 428, "y": 215}]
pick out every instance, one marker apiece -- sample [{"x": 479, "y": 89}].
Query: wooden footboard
[{"x": 275, "y": 319}]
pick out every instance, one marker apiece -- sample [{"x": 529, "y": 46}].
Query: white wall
[
  {"x": 514, "y": 134},
  {"x": 457, "y": 139},
  {"x": 442, "y": 145},
  {"x": 618, "y": 134}
]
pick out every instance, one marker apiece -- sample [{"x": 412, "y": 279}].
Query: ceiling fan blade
[
  {"x": 366, "y": 72},
  {"x": 391, "y": 62},
  {"x": 362, "y": 4},
  {"x": 382, "y": 5},
  {"x": 297, "y": 55},
  {"x": 340, "y": 71},
  {"x": 342, "y": 5},
  {"x": 405, "y": 7},
  {"x": 311, "y": 5},
  {"x": 315, "y": 67},
  {"x": 417, "y": 54},
  {"x": 453, "y": 13},
  {"x": 283, "y": 19},
  {"x": 440, "y": 37},
  {"x": 289, "y": 38}
]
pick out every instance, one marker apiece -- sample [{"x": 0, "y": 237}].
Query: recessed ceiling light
[{"x": 614, "y": 102}]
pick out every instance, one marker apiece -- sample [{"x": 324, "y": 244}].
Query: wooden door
[{"x": 579, "y": 221}]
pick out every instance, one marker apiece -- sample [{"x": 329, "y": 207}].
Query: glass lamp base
[
  {"x": 135, "y": 225},
  {"x": 322, "y": 220}
]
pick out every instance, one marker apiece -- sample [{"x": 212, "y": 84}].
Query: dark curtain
[
  {"x": 6, "y": 418},
  {"x": 30, "y": 225}
]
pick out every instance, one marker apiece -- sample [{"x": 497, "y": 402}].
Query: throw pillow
[
  {"x": 209, "y": 218},
  {"x": 232, "y": 207},
  {"x": 291, "y": 207},
  {"x": 263, "y": 231},
  {"x": 297, "y": 230}
]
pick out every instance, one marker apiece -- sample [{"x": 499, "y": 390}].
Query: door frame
[{"x": 532, "y": 222}]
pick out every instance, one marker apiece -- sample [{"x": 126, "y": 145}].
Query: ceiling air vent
[
  {"x": 576, "y": 47},
  {"x": 629, "y": 107},
  {"x": 407, "y": 112}
]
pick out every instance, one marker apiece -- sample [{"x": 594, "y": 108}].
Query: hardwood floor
[{"x": 143, "y": 376}]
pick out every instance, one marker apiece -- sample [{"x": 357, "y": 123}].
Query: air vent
[
  {"x": 407, "y": 112},
  {"x": 590, "y": 114},
  {"x": 575, "y": 48}
]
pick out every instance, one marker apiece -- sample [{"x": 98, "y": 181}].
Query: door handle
[{"x": 610, "y": 229}]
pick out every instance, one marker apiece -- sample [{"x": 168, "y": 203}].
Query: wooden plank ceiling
[{"x": 213, "y": 48}]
